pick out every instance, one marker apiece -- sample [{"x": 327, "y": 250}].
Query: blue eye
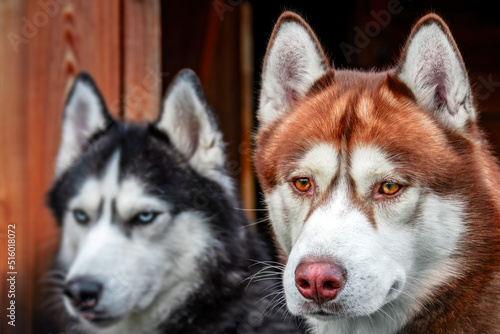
[
  {"x": 80, "y": 216},
  {"x": 143, "y": 218}
]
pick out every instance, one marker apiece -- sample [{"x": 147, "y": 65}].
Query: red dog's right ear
[
  {"x": 432, "y": 67},
  {"x": 294, "y": 61}
]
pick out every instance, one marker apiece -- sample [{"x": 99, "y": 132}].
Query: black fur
[{"x": 226, "y": 302}]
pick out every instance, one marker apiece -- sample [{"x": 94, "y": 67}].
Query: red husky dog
[{"x": 381, "y": 190}]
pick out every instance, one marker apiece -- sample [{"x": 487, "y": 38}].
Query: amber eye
[
  {"x": 389, "y": 188},
  {"x": 302, "y": 184}
]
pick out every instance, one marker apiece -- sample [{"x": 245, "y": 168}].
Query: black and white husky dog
[{"x": 151, "y": 237}]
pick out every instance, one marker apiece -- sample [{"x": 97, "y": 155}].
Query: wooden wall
[
  {"x": 44, "y": 44},
  {"x": 48, "y": 43}
]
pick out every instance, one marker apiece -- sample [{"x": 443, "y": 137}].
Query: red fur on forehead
[
  {"x": 331, "y": 113},
  {"x": 328, "y": 115}
]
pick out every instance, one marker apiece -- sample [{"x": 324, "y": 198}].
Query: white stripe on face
[
  {"x": 132, "y": 199},
  {"x": 95, "y": 199},
  {"x": 369, "y": 166},
  {"x": 110, "y": 185},
  {"x": 322, "y": 163}
]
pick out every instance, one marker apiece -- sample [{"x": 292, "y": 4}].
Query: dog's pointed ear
[
  {"x": 294, "y": 61},
  {"x": 85, "y": 114},
  {"x": 432, "y": 67},
  {"x": 190, "y": 124}
]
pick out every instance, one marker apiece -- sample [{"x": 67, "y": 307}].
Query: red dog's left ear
[
  {"x": 433, "y": 69},
  {"x": 294, "y": 61}
]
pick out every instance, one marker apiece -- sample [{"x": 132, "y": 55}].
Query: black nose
[{"x": 83, "y": 292}]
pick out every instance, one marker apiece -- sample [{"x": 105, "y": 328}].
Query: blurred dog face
[
  {"x": 129, "y": 200},
  {"x": 122, "y": 245}
]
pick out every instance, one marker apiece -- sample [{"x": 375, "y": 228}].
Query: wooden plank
[
  {"x": 212, "y": 36},
  {"x": 221, "y": 79},
  {"x": 82, "y": 36},
  {"x": 142, "y": 79},
  {"x": 59, "y": 41},
  {"x": 13, "y": 167},
  {"x": 247, "y": 178}
]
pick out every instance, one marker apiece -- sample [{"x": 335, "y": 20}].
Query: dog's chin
[
  {"x": 319, "y": 312},
  {"x": 331, "y": 311}
]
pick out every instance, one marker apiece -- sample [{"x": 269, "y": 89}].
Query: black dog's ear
[
  {"x": 190, "y": 123},
  {"x": 432, "y": 67},
  {"x": 85, "y": 114}
]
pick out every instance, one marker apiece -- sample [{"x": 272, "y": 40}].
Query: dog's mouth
[
  {"x": 99, "y": 319},
  {"x": 322, "y": 314},
  {"x": 323, "y": 311}
]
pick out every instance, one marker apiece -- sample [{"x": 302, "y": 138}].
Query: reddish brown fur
[{"x": 428, "y": 153}]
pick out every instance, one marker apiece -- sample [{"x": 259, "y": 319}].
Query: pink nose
[{"x": 320, "y": 280}]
